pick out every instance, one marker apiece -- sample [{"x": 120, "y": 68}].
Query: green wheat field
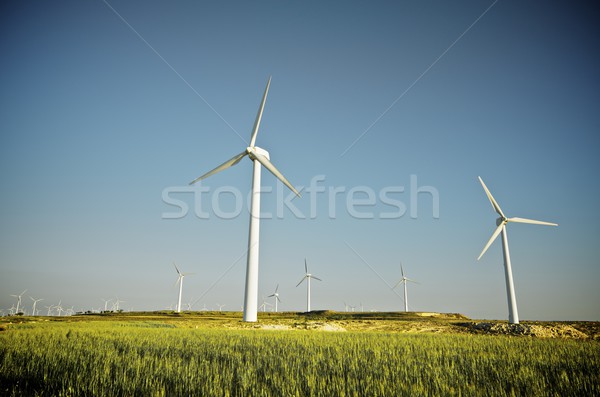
[{"x": 289, "y": 354}]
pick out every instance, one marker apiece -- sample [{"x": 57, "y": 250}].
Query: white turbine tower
[
  {"x": 35, "y": 301},
  {"x": 18, "y": 301},
  {"x": 180, "y": 281},
  {"x": 259, "y": 157},
  {"x": 404, "y": 280},
  {"x": 513, "y": 314},
  {"x": 307, "y": 277},
  {"x": 276, "y": 296}
]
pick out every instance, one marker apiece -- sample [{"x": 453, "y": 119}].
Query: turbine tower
[
  {"x": 259, "y": 157},
  {"x": 307, "y": 277},
  {"x": 276, "y": 296},
  {"x": 404, "y": 280},
  {"x": 180, "y": 281},
  {"x": 513, "y": 314}
]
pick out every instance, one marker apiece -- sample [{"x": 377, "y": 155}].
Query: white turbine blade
[
  {"x": 491, "y": 198},
  {"x": 176, "y": 268},
  {"x": 316, "y": 278},
  {"x": 402, "y": 270},
  {"x": 268, "y": 165},
  {"x": 301, "y": 281},
  {"x": 270, "y": 296},
  {"x": 259, "y": 115},
  {"x": 277, "y": 289},
  {"x": 276, "y": 296},
  {"x": 178, "y": 280},
  {"x": 412, "y": 281},
  {"x": 524, "y": 220},
  {"x": 305, "y": 267},
  {"x": 398, "y": 283},
  {"x": 491, "y": 240},
  {"x": 232, "y": 161}
]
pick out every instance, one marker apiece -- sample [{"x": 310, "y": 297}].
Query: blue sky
[{"x": 106, "y": 105}]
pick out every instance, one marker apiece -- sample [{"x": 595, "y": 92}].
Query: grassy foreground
[{"x": 166, "y": 355}]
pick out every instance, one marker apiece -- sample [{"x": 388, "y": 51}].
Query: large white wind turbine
[
  {"x": 35, "y": 301},
  {"x": 276, "y": 296},
  {"x": 180, "y": 281},
  {"x": 307, "y": 277},
  {"x": 259, "y": 157},
  {"x": 404, "y": 280},
  {"x": 513, "y": 315},
  {"x": 17, "y": 311}
]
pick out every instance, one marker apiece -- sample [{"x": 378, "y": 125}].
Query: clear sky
[{"x": 108, "y": 108}]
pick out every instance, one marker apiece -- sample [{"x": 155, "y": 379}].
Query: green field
[{"x": 214, "y": 354}]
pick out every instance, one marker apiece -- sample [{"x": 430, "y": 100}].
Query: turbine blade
[
  {"x": 268, "y": 165},
  {"x": 232, "y": 161},
  {"x": 491, "y": 240},
  {"x": 259, "y": 115},
  {"x": 398, "y": 283},
  {"x": 402, "y": 270},
  {"x": 176, "y": 268},
  {"x": 301, "y": 281},
  {"x": 277, "y": 289},
  {"x": 491, "y": 198},
  {"x": 524, "y": 220},
  {"x": 305, "y": 267},
  {"x": 278, "y": 298},
  {"x": 316, "y": 278},
  {"x": 176, "y": 282}
]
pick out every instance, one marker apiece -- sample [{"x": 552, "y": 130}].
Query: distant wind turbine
[
  {"x": 513, "y": 314},
  {"x": 17, "y": 311},
  {"x": 105, "y": 303},
  {"x": 276, "y": 296},
  {"x": 307, "y": 277},
  {"x": 59, "y": 308},
  {"x": 35, "y": 301},
  {"x": 264, "y": 305},
  {"x": 259, "y": 157},
  {"x": 180, "y": 281},
  {"x": 404, "y": 280},
  {"x": 220, "y": 307}
]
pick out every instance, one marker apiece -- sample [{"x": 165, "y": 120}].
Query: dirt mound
[{"x": 536, "y": 330}]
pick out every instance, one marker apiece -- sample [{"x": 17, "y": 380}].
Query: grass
[{"x": 216, "y": 355}]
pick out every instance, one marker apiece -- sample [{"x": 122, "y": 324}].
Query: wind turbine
[
  {"x": 35, "y": 301},
  {"x": 221, "y": 307},
  {"x": 404, "y": 280},
  {"x": 259, "y": 157},
  {"x": 59, "y": 308},
  {"x": 105, "y": 303},
  {"x": 180, "y": 281},
  {"x": 18, "y": 301},
  {"x": 264, "y": 305},
  {"x": 307, "y": 277},
  {"x": 513, "y": 314},
  {"x": 276, "y": 295}
]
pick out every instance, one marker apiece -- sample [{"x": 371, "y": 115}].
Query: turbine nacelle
[{"x": 253, "y": 150}]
